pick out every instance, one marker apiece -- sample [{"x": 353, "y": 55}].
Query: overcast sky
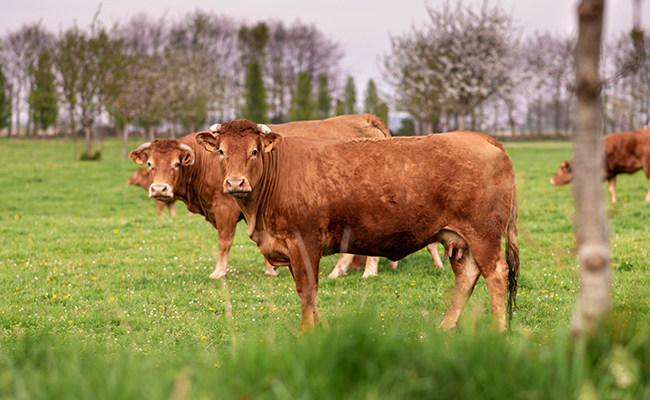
[{"x": 361, "y": 27}]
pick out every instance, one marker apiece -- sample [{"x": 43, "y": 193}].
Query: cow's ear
[
  {"x": 187, "y": 155},
  {"x": 139, "y": 157},
  {"x": 207, "y": 141},
  {"x": 271, "y": 141}
]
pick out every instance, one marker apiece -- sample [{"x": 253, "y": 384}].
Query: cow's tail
[
  {"x": 512, "y": 255},
  {"x": 379, "y": 124}
]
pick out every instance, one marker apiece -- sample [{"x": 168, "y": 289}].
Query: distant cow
[
  {"x": 625, "y": 153},
  {"x": 305, "y": 198},
  {"x": 140, "y": 177},
  {"x": 179, "y": 171}
]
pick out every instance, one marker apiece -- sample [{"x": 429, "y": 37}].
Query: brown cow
[
  {"x": 179, "y": 171},
  {"x": 305, "y": 198},
  {"x": 625, "y": 153},
  {"x": 140, "y": 177}
]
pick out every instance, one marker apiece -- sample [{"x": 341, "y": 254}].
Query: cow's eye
[
  {"x": 150, "y": 166},
  {"x": 220, "y": 152},
  {"x": 177, "y": 164},
  {"x": 254, "y": 153}
]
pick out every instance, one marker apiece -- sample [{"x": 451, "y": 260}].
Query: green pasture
[{"x": 102, "y": 298}]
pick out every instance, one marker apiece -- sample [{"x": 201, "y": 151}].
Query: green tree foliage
[
  {"x": 371, "y": 101},
  {"x": 67, "y": 52},
  {"x": 302, "y": 108},
  {"x": 43, "y": 101},
  {"x": 252, "y": 42},
  {"x": 382, "y": 112},
  {"x": 256, "y": 108},
  {"x": 340, "y": 109},
  {"x": 407, "y": 128},
  {"x": 5, "y": 102},
  {"x": 350, "y": 97},
  {"x": 324, "y": 97}
]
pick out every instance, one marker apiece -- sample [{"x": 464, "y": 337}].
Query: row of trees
[
  {"x": 176, "y": 75},
  {"x": 472, "y": 66},
  {"x": 465, "y": 68}
]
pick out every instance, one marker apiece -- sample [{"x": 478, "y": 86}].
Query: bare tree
[
  {"x": 591, "y": 226},
  {"x": 291, "y": 50},
  {"x": 455, "y": 63},
  {"x": 20, "y": 54}
]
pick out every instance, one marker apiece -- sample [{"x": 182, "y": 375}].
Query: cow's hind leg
[
  {"x": 466, "y": 274},
  {"x": 433, "y": 250},
  {"x": 496, "y": 281}
]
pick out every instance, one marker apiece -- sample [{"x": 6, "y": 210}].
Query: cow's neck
[{"x": 256, "y": 203}]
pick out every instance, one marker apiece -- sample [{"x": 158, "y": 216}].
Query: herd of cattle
[{"x": 343, "y": 185}]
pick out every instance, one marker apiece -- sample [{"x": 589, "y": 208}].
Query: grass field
[{"x": 102, "y": 298}]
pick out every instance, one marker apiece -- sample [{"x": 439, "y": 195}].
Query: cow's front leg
[
  {"x": 172, "y": 208},
  {"x": 342, "y": 266},
  {"x": 160, "y": 208},
  {"x": 372, "y": 266},
  {"x": 270, "y": 269},
  {"x": 611, "y": 186},
  {"x": 304, "y": 268},
  {"x": 226, "y": 224},
  {"x": 466, "y": 275}
]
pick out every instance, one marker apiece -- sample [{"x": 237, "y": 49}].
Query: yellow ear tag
[
  {"x": 209, "y": 147},
  {"x": 139, "y": 161},
  {"x": 268, "y": 148}
]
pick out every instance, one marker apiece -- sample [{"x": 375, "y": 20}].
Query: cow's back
[
  {"x": 625, "y": 151},
  {"x": 341, "y": 127}
]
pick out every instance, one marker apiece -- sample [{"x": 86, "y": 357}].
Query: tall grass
[{"x": 102, "y": 298}]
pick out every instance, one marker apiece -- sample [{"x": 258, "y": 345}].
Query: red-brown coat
[
  {"x": 625, "y": 153},
  {"x": 305, "y": 198},
  {"x": 140, "y": 177},
  {"x": 183, "y": 173}
]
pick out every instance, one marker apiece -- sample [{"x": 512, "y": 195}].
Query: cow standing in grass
[
  {"x": 179, "y": 171},
  {"x": 625, "y": 153},
  {"x": 306, "y": 198}
]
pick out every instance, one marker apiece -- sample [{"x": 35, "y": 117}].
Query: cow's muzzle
[
  {"x": 236, "y": 187},
  {"x": 160, "y": 191}
]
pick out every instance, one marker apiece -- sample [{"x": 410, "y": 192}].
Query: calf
[
  {"x": 625, "y": 153},
  {"x": 305, "y": 198}
]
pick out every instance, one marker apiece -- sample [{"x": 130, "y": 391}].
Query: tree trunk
[
  {"x": 125, "y": 140},
  {"x": 151, "y": 133},
  {"x": 591, "y": 225},
  {"x": 88, "y": 140},
  {"x": 460, "y": 122}
]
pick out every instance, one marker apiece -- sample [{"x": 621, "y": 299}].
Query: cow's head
[
  {"x": 240, "y": 145},
  {"x": 165, "y": 158},
  {"x": 140, "y": 177},
  {"x": 564, "y": 174}
]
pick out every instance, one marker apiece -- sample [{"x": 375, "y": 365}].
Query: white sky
[{"x": 361, "y": 27}]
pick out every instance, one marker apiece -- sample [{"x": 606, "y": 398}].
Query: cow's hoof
[
  {"x": 369, "y": 275},
  {"x": 217, "y": 275},
  {"x": 337, "y": 274}
]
